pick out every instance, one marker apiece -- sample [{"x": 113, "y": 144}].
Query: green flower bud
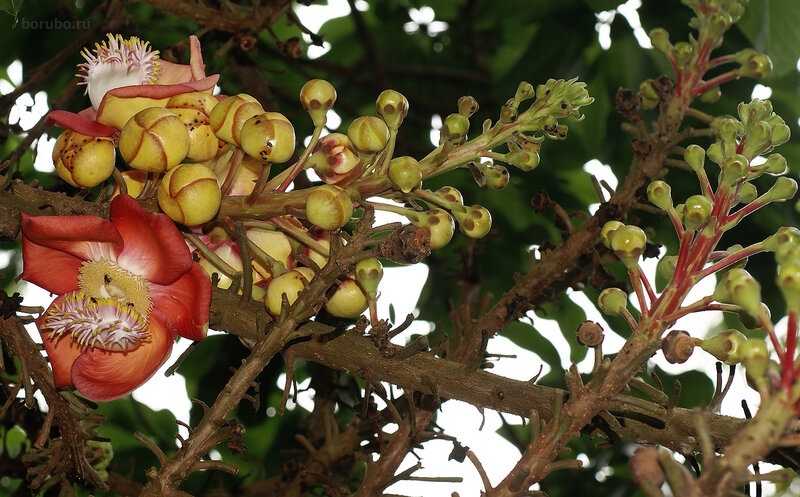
[
  {"x": 475, "y": 221},
  {"x": 467, "y": 105},
  {"x": 524, "y": 159},
  {"x": 682, "y": 53},
  {"x": 711, "y": 95},
  {"x": 757, "y": 66},
  {"x": 752, "y": 322},
  {"x": 726, "y": 346},
  {"x": 747, "y": 192},
  {"x": 455, "y": 128},
  {"x": 783, "y": 189},
  {"x": 607, "y": 230},
  {"x": 734, "y": 169},
  {"x": 695, "y": 156},
  {"x": 757, "y": 140},
  {"x": 451, "y": 195},
  {"x": 696, "y": 211},
  {"x": 755, "y": 358},
  {"x": 720, "y": 22},
  {"x": 612, "y": 301},
  {"x": 392, "y": 107},
  {"x": 739, "y": 287},
  {"x": 667, "y": 266},
  {"x": 368, "y": 134},
  {"x": 405, "y": 173},
  {"x": 368, "y": 274},
  {"x": 744, "y": 55},
  {"x": 525, "y": 91},
  {"x": 677, "y": 346},
  {"x": 269, "y": 137},
  {"x": 334, "y": 158},
  {"x": 788, "y": 280},
  {"x": 329, "y": 207},
  {"x": 647, "y": 90},
  {"x": 628, "y": 243},
  {"x": 497, "y": 176},
  {"x": 659, "y": 38},
  {"x": 317, "y": 97},
  {"x": 715, "y": 153},
  {"x": 659, "y": 194},
  {"x": 727, "y": 127},
  {"x": 786, "y": 238},
  {"x": 775, "y": 164},
  {"x": 780, "y": 134}
]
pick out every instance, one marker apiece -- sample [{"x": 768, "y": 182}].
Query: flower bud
[
  {"x": 405, "y": 173},
  {"x": 368, "y": 134},
  {"x": 726, "y": 346},
  {"x": 189, "y": 194},
  {"x": 392, "y": 107},
  {"x": 290, "y": 283},
  {"x": 727, "y": 127},
  {"x": 659, "y": 194},
  {"x": 317, "y": 97},
  {"x": 348, "y": 301},
  {"x": 228, "y": 116},
  {"x": 83, "y": 161},
  {"x": 524, "y": 159},
  {"x": 757, "y": 66},
  {"x": 711, "y": 95},
  {"x": 608, "y": 229},
  {"x": 525, "y": 91},
  {"x": 775, "y": 164},
  {"x": 788, "y": 280},
  {"x": 783, "y": 189},
  {"x": 783, "y": 243},
  {"x": 628, "y": 243},
  {"x": 334, "y": 158},
  {"x": 134, "y": 183},
  {"x": 739, "y": 287},
  {"x": 612, "y": 301},
  {"x": 734, "y": 169},
  {"x": 659, "y": 38},
  {"x": 715, "y": 153},
  {"x": 154, "y": 140},
  {"x": 747, "y": 192},
  {"x": 475, "y": 221},
  {"x": 451, "y": 195},
  {"x": 329, "y": 207},
  {"x": 696, "y": 211},
  {"x": 269, "y": 137},
  {"x": 677, "y": 346},
  {"x": 439, "y": 223},
  {"x": 695, "y": 156},
  {"x": 368, "y": 273},
  {"x": 455, "y": 128},
  {"x": 682, "y": 53},
  {"x": 509, "y": 112},
  {"x": 467, "y": 105},
  {"x": 497, "y": 176},
  {"x": 780, "y": 134},
  {"x": 193, "y": 109},
  {"x": 752, "y": 321},
  {"x": 590, "y": 334},
  {"x": 667, "y": 266},
  {"x": 276, "y": 245},
  {"x": 755, "y": 358},
  {"x": 320, "y": 236}
]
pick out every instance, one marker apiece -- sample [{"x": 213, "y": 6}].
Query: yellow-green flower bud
[
  {"x": 405, "y": 173},
  {"x": 788, "y": 280},
  {"x": 368, "y": 134},
  {"x": 739, "y": 287},
  {"x": 727, "y": 127},
  {"x": 451, "y": 195},
  {"x": 524, "y": 159},
  {"x": 780, "y": 134},
  {"x": 392, "y": 107},
  {"x": 525, "y": 91},
  {"x": 154, "y": 140},
  {"x": 475, "y": 222},
  {"x": 696, "y": 211},
  {"x": 715, "y": 153},
  {"x": 348, "y": 301},
  {"x": 682, "y": 53},
  {"x": 467, "y": 105},
  {"x": 695, "y": 156},
  {"x": 752, "y": 322},
  {"x": 747, "y": 192},
  {"x": 607, "y": 230},
  {"x": 229, "y": 115},
  {"x": 659, "y": 194},
  {"x": 775, "y": 164},
  {"x": 329, "y": 207},
  {"x": 726, "y": 346},
  {"x": 497, "y": 176},
  {"x": 368, "y": 274},
  {"x": 783, "y": 189},
  {"x": 659, "y": 38},
  {"x": 757, "y": 140},
  {"x": 189, "y": 194},
  {"x": 784, "y": 243},
  {"x": 677, "y": 346},
  {"x": 268, "y": 136},
  {"x": 628, "y": 243},
  {"x": 612, "y": 301},
  {"x": 334, "y": 158},
  {"x": 83, "y": 161},
  {"x": 755, "y": 358},
  {"x": 455, "y": 128},
  {"x": 290, "y": 283},
  {"x": 734, "y": 169},
  {"x": 758, "y": 66},
  {"x": 439, "y": 223},
  {"x": 509, "y": 112},
  {"x": 317, "y": 97},
  {"x": 193, "y": 109},
  {"x": 667, "y": 265},
  {"x": 711, "y": 95},
  {"x": 649, "y": 95}
]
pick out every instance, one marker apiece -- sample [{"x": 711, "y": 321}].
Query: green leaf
[
  {"x": 11, "y": 6},
  {"x": 515, "y": 45},
  {"x": 771, "y": 26}
]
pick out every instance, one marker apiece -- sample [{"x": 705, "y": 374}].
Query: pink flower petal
[
  {"x": 85, "y": 237},
  {"x": 178, "y": 73},
  {"x": 104, "y": 376},
  {"x": 186, "y": 302},
  {"x": 61, "y": 354},
  {"x": 81, "y": 123},
  {"x": 153, "y": 248}
]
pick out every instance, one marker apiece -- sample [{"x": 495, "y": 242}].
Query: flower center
[
  {"x": 117, "y": 62},
  {"x": 102, "y": 279},
  {"x": 107, "y": 324}
]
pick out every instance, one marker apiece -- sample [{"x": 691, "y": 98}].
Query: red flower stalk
[{"x": 126, "y": 288}]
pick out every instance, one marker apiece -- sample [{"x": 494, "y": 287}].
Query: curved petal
[
  {"x": 170, "y": 73},
  {"x": 53, "y": 270},
  {"x": 104, "y": 376},
  {"x": 85, "y": 237},
  {"x": 61, "y": 353},
  {"x": 186, "y": 302},
  {"x": 78, "y": 122},
  {"x": 153, "y": 247}
]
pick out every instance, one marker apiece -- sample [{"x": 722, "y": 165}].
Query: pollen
[
  {"x": 107, "y": 324},
  {"x": 103, "y": 279}
]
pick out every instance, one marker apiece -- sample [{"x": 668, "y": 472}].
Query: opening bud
[
  {"x": 83, "y": 161},
  {"x": 659, "y": 194},
  {"x": 317, "y": 97},
  {"x": 392, "y": 107},
  {"x": 726, "y": 346},
  {"x": 405, "y": 173},
  {"x": 368, "y": 134},
  {"x": 154, "y": 140},
  {"x": 329, "y": 207},
  {"x": 612, "y": 301}
]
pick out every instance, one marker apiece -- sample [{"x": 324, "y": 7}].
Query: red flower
[
  {"x": 126, "y": 288},
  {"x": 125, "y": 76}
]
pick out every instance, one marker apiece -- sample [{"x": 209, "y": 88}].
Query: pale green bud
[
  {"x": 682, "y": 53},
  {"x": 628, "y": 243},
  {"x": 696, "y": 211},
  {"x": 695, "y": 156},
  {"x": 747, "y": 192},
  {"x": 739, "y": 287},
  {"x": 783, "y": 189},
  {"x": 715, "y": 153},
  {"x": 659, "y": 38},
  {"x": 755, "y": 358},
  {"x": 659, "y": 194},
  {"x": 788, "y": 280},
  {"x": 726, "y": 346},
  {"x": 758, "y": 66},
  {"x": 775, "y": 164},
  {"x": 667, "y": 265},
  {"x": 612, "y": 301},
  {"x": 607, "y": 230}
]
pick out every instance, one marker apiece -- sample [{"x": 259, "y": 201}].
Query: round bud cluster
[
  {"x": 189, "y": 194},
  {"x": 329, "y": 207},
  {"x": 677, "y": 346},
  {"x": 612, "y": 301},
  {"x": 268, "y": 136},
  {"x": 193, "y": 110},
  {"x": 317, "y": 97},
  {"x": 83, "y": 161},
  {"x": 726, "y": 346},
  {"x": 154, "y": 140}
]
